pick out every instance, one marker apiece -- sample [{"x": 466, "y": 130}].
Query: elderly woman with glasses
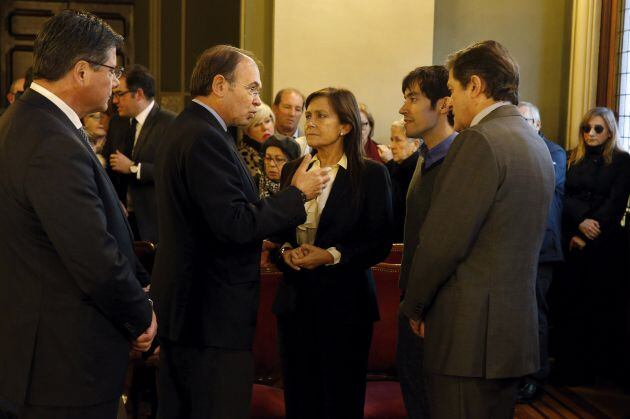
[
  {"x": 276, "y": 150},
  {"x": 597, "y": 188},
  {"x": 259, "y": 129}
]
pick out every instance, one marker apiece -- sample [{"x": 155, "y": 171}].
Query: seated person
[
  {"x": 259, "y": 129},
  {"x": 95, "y": 125},
  {"x": 401, "y": 160},
  {"x": 276, "y": 151}
]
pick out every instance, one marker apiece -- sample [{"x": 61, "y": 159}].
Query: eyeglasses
[
  {"x": 120, "y": 94},
  {"x": 114, "y": 71},
  {"x": 277, "y": 160},
  {"x": 254, "y": 91},
  {"x": 586, "y": 128}
]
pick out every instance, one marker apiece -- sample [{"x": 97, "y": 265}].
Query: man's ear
[
  {"x": 476, "y": 85},
  {"x": 443, "y": 105},
  {"x": 220, "y": 85},
  {"x": 80, "y": 72}
]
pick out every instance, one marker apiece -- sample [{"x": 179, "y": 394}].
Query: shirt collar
[
  {"x": 438, "y": 152},
  {"x": 142, "y": 116},
  {"x": 70, "y": 113},
  {"x": 343, "y": 161},
  {"x": 213, "y": 112},
  {"x": 486, "y": 111}
]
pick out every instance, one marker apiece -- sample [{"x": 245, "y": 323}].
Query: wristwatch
[{"x": 133, "y": 169}]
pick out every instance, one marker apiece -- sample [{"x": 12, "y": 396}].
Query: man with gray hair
[
  {"x": 70, "y": 284},
  {"x": 550, "y": 253}
]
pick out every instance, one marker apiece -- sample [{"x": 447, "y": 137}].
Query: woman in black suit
[
  {"x": 596, "y": 192},
  {"x": 326, "y": 304}
]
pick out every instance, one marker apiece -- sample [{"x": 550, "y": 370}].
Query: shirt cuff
[
  {"x": 138, "y": 172},
  {"x": 335, "y": 254}
]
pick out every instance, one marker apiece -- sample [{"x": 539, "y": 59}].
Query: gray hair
[
  {"x": 400, "y": 124},
  {"x": 533, "y": 109}
]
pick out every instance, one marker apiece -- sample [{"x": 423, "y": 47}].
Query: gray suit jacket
[{"x": 472, "y": 278}]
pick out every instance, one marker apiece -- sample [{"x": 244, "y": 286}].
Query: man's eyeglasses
[
  {"x": 254, "y": 91},
  {"x": 114, "y": 71},
  {"x": 586, "y": 128},
  {"x": 277, "y": 160},
  {"x": 120, "y": 93}
]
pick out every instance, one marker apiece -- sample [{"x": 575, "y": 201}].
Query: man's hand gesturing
[{"x": 311, "y": 183}]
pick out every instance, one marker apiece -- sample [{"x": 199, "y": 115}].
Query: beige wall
[
  {"x": 367, "y": 47},
  {"x": 537, "y": 33}
]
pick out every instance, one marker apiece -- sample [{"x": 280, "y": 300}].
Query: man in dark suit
[
  {"x": 472, "y": 280},
  {"x": 72, "y": 302},
  {"x": 426, "y": 115},
  {"x": 131, "y": 146},
  {"x": 550, "y": 252},
  {"x": 212, "y": 222}
]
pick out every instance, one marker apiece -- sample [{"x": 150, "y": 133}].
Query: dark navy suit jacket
[{"x": 551, "y": 250}]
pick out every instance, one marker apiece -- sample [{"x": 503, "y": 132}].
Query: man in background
[
  {"x": 426, "y": 115},
  {"x": 550, "y": 253},
  {"x": 131, "y": 146}
]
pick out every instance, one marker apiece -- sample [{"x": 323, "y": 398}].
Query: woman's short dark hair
[
  {"x": 218, "y": 60},
  {"x": 68, "y": 37},
  {"x": 346, "y": 107},
  {"x": 492, "y": 62},
  {"x": 290, "y": 148},
  {"x": 139, "y": 77}
]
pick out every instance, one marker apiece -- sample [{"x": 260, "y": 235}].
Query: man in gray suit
[{"x": 471, "y": 289}]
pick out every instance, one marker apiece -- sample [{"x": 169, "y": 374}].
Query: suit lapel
[
  {"x": 36, "y": 99},
  {"x": 145, "y": 130}
]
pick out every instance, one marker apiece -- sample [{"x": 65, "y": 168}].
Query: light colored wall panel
[{"x": 365, "y": 46}]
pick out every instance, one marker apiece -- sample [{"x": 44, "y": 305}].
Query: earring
[{"x": 341, "y": 133}]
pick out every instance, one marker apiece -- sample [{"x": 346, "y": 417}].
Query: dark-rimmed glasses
[
  {"x": 586, "y": 128},
  {"x": 279, "y": 161},
  {"x": 120, "y": 94}
]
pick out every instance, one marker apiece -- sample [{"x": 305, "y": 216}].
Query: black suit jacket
[
  {"x": 361, "y": 231},
  {"x": 70, "y": 297},
  {"x": 212, "y": 222},
  {"x": 142, "y": 190}
]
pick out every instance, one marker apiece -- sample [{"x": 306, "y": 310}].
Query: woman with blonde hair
[
  {"x": 597, "y": 188},
  {"x": 259, "y": 129}
]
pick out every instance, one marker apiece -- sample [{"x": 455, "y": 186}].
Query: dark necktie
[{"x": 131, "y": 139}]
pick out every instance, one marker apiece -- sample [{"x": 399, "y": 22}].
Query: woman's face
[
  {"x": 94, "y": 124},
  {"x": 323, "y": 127},
  {"x": 595, "y": 132},
  {"x": 365, "y": 129},
  {"x": 275, "y": 160},
  {"x": 262, "y": 130}
]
